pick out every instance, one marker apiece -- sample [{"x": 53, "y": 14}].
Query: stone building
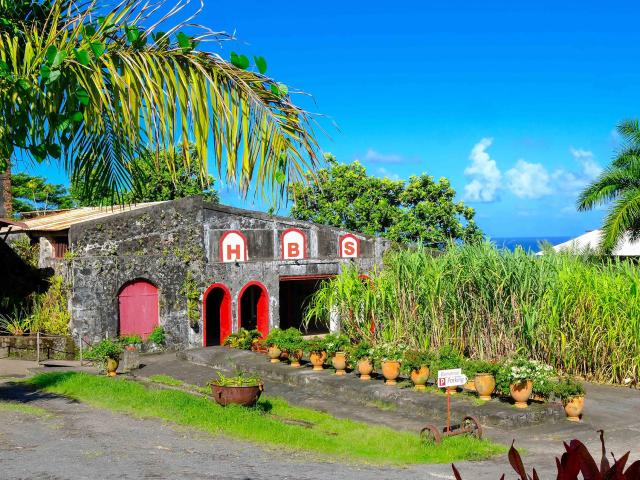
[{"x": 200, "y": 270}]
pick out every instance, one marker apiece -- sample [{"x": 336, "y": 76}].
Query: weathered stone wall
[{"x": 158, "y": 244}]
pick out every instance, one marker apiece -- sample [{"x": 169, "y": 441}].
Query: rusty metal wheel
[
  {"x": 472, "y": 426},
  {"x": 430, "y": 434}
]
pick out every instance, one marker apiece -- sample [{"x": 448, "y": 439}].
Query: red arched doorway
[
  {"x": 216, "y": 314},
  {"x": 253, "y": 307},
  {"x": 138, "y": 308}
]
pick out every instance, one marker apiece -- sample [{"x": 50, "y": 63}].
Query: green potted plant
[
  {"x": 291, "y": 343},
  {"x": 131, "y": 342},
  {"x": 571, "y": 392},
  {"x": 483, "y": 374},
  {"x": 416, "y": 363},
  {"x": 446, "y": 359},
  {"x": 390, "y": 356},
  {"x": 361, "y": 355},
  {"x": 243, "y": 339},
  {"x": 516, "y": 377},
  {"x": 108, "y": 353},
  {"x": 241, "y": 389},
  {"x": 336, "y": 345},
  {"x": 157, "y": 339},
  {"x": 317, "y": 352},
  {"x": 273, "y": 340}
]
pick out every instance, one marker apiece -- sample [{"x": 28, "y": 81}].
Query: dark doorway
[
  {"x": 294, "y": 298},
  {"x": 217, "y": 315},
  {"x": 253, "y": 308}
]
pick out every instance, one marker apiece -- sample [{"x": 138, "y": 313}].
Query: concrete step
[{"x": 350, "y": 389}]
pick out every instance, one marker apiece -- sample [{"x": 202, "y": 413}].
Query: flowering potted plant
[
  {"x": 336, "y": 346},
  {"x": 317, "y": 352},
  {"x": 390, "y": 355},
  {"x": 571, "y": 392},
  {"x": 363, "y": 356},
  {"x": 108, "y": 352},
  {"x": 416, "y": 363},
  {"x": 519, "y": 374}
]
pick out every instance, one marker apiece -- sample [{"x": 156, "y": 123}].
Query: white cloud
[
  {"x": 377, "y": 157},
  {"x": 484, "y": 172},
  {"x": 590, "y": 168},
  {"x": 386, "y": 173},
  {"x": 529, "y": 180}
]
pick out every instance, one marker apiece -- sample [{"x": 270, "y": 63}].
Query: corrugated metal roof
[{"x": 63, "y": 220}]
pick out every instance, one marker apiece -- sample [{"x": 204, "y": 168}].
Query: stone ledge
[{"x": 350, "y": 389}]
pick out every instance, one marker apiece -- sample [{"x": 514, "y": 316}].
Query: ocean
[{"x": 527, "y": 243}]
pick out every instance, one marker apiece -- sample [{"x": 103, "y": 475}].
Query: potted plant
[
  {"x": 108, "y": 352},
  {"x": 390, "y": 356},
  {"x": 243, "y": 339},
  {"x": 518, "y": 375},
  {"x": 291, "y": 342},
  {"x": 317, "y": 352},
  {"x": 273, "y": 349},
  {"x": 131, "y": 342},
  {"x": 448, "y": 358},
  {"x": 336, "y": 345},
  {"x": 241, "y": 389},
  {"x": 416, "y": 363},
  {"x": 571, "y": 392},
  {"x": 483, "y": 374},
  {"x": 156, "y": 339},
  {"x": 363, "y": 356}
]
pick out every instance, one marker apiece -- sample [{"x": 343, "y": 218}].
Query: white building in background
[{"x": 589, "y": 242}]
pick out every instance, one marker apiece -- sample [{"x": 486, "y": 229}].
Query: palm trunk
[{"x": 5, "y": 193}]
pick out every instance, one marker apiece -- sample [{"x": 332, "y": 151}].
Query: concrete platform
[{"x": 430, "y": 407}]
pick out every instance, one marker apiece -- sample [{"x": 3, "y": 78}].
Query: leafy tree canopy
[
  {"x": 618, "y": 186},
  {"x": 420, "y": 210},
  {"x": 31, "y": 193},
  {"x": 153, "y": 182}
]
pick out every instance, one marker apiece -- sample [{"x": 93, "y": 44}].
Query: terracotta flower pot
[
  {"x": 485, "y": 384},
  {"x": 419, "y": 377},
  {"x": 470, "y": 386},
  {"x": 573, "y": 408},
  {"x": 112, "y": 366},
  {"x": 274, "y": 354},
  {"x": 317, "y": 359},
  {"x": 284, "y": 356},
  {"x": 391, "y": 371},
  {"x": 245, "y": 396},
  {"x": 295, "y": 358},
  {"x": 520, "y": 392},
  {"x": 365, "y": 367},
  {"x": 339, "y": 361}
]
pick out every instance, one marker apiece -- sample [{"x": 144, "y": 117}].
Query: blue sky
[{"x": 515, "y": 104}]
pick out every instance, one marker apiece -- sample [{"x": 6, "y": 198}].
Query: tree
[
  {"x": 418, "y": 211},
  {"x": 619, "y": 183},
  {"x": 153, "y": 184},
  {"x": 93, "y": 87},
  {"x": 32, "y": 193}
]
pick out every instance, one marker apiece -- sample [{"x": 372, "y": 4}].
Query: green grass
[
  {"x": 23, "y": 408},
  {"x": 274, "y": 422},
  {"x": 166, "y": 380}
]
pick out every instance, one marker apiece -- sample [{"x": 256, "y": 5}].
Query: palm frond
[{"x": 623, "y": 218}]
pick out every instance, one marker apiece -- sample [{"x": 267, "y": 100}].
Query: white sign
[
  {"x": 349, "y": 246},
  {"x": 293, "y": 244},
  {"x": 451, "y": 378},
  {"x": 233, "y": 247}
]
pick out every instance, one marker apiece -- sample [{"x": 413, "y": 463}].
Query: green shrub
[
  {"x": 335, "y": 342},
  {"x": 389, "y": 352},
  {"x": 288, "y": 340},
  {"x": 448, "y": 358},
  {"x": 157, "y": 336},
  {"x": 50, "y": 311},
  {"x": 471, "y": 367},
  {"x": 241, "y": 379},
  {"x": 105, "y": 349},
  {"x": 415, "y": 359},
  {"x": 315, "y": 345},
  {"x": 359, "y": 351},
  {"x": 568, "y": 388},
  {"x": 520, "y": 369},
  {"x": 130, "y": 339},
  {"x": 242, "y": 339}
]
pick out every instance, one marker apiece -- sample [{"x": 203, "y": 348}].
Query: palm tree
[
  {"x": 620, "y": 184},
  {"x": 95, "y": 88}
]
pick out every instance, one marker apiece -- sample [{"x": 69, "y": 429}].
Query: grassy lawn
[
  {"x": 274, "y": 422},
  {"x": 166, "y": 380}
]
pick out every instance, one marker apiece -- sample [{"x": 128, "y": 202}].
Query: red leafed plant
[{"x": 576, "y": 460}]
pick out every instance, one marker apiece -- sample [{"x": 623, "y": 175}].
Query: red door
[{"x": 138, "y": 308}]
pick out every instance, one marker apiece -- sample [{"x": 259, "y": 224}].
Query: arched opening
[
  {"x": 138, "y": 308},
  {"x": 253, "y": 307},
  {"x": 216, "y": 314}
]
